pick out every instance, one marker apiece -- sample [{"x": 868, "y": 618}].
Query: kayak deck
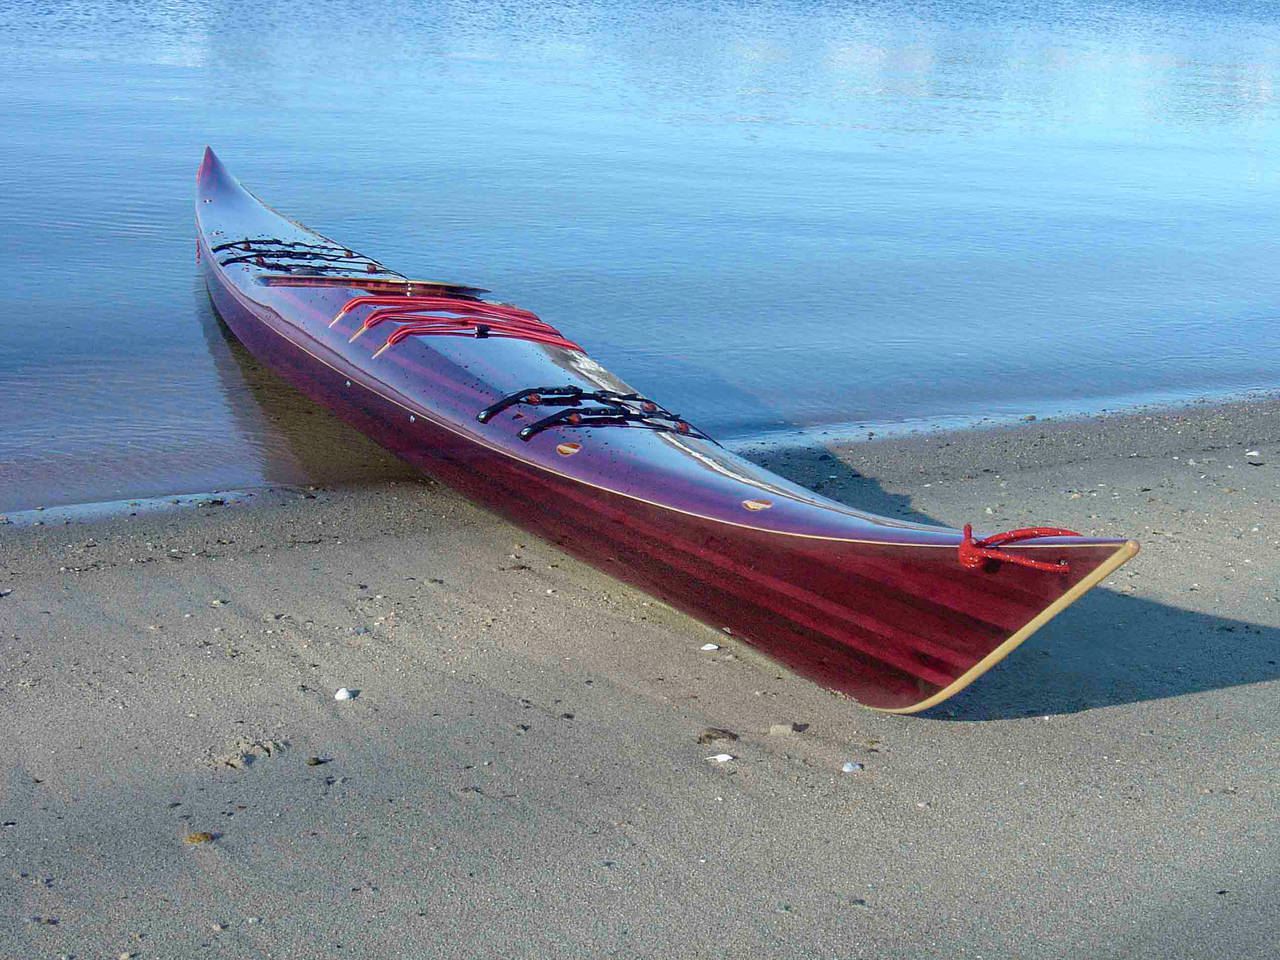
[{"x": 494, "y": 401}]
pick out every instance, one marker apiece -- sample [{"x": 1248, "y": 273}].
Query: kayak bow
[{"x": 501, "y": 405}]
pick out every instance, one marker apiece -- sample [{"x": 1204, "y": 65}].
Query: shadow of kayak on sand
[{"x": 1111, "y": 648}]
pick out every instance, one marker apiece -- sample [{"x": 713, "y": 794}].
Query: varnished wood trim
[{"x": 1126, "y": 552}]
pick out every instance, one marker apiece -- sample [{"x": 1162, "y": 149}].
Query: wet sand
[{"x": 519, "y": 773}]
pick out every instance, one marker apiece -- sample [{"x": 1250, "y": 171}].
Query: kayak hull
[{"x": 876, "y": 609}]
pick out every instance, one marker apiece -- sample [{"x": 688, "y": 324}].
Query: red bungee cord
[
  {"x": 974, "y": 552},
  {"x": 434, "y": 303},
  {"x": 477, "y": 330},
  {"x": 463, "y": 318}
]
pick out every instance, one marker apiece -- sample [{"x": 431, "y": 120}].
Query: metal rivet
[
  {"x": 412, "y": 418},
  {"x": 348, "y": 383}
]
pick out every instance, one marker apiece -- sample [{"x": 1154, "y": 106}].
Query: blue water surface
[{"x": 777, "y": 218}]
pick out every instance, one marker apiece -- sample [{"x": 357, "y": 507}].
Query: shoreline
[
  {"x": 777, "y": 455},
  {"x": 521, "y": 763},
  {"x": 858, "y": 431}
]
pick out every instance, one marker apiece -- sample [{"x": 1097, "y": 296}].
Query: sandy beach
[{"x": 520, "y": 771}]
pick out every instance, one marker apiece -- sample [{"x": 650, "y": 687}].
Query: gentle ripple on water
[{"x": 776, "y": 217}]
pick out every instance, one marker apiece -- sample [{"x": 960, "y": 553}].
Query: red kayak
[{"x": 501, "y": 405}]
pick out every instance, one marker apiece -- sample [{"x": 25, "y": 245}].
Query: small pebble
[
  {"x": 721, "y": 758},
  {"x": 786, "y": 729},
  {"x": 343, "y": 694},
  {"x": 851, "y": 767},
  {"x": 710, "y": 646}
]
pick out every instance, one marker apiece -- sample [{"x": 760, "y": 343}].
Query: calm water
[{"x": 772, "y": 217}]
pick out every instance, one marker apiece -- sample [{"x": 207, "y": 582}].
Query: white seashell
[
  {"x": 721, "y": 758},
  {"x": 710, "y": 646},
  {"x": 343, "y": 694}
]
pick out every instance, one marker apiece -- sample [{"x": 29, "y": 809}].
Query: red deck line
[
  {"x": 433, "y": 303},
  {"x": 460, "y": 317},
  {"x": 476, "y": 328},
  {"x": 379, "y": 316}
]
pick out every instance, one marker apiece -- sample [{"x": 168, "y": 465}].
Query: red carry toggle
[{"x": 974, "y": 552}]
